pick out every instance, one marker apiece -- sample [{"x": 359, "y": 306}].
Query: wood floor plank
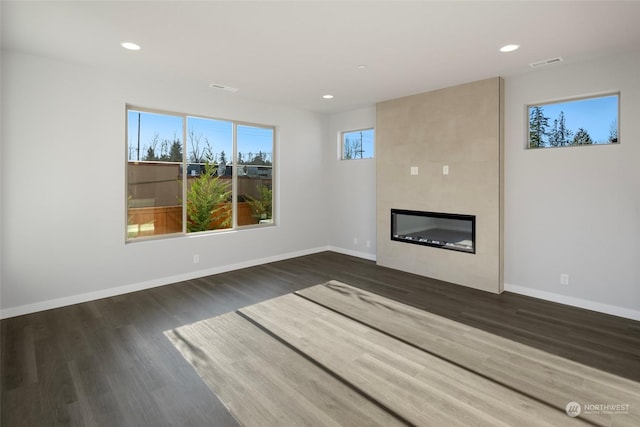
[
  {"x": 266, "y": 384},
  {"x": 544, "y": 376},
  {"x": 25, "y": 407},
  {"x": 96, "y": 403},
  {"x": 415, "y": 384}
]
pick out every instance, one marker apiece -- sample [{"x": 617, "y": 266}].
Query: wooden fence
[{"x": 151, "y": 221}]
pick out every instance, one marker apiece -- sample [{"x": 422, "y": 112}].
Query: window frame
[
  {"x": 342, "y": 140},
  {"x": 184, "y": 174}
]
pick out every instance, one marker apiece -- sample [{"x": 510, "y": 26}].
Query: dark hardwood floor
[{"x": 108, "y": 363}]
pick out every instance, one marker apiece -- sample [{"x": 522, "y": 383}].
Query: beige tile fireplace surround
[{"x": 460, "y": 127}]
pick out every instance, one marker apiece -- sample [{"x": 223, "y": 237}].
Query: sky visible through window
[
  {"x": 595, "y": 115},
  {"x": 218, "y": 134},
  {"x": 358, "y": 144}
]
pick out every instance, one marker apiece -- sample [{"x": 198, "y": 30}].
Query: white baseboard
[
  {"x": 120, "y": 290},
  {"x": 370, "y": 257},
  {"x": 573, "y": 301}
]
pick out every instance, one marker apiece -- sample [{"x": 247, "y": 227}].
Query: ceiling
[{"x": 293, "y": 52}]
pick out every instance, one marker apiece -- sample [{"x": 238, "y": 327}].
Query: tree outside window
[
  {"x": 357, "y": 144},
  {"x": 588, "y": 121},
  {"x": 183, "y": 175}
]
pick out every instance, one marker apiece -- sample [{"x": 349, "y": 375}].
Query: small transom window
[{"x": 357, "y": 144}]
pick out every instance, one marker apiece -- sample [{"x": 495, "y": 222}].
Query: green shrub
[
  {"x": 207, "y": 207},
  {"x": 262, "y": 208}
]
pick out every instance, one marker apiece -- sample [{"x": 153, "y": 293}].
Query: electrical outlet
[
  {"x": 445, "y": 170},
  {"x": 355, "y": 240},
  {"x": 564, "y": 279},
  {"x": 368, "y": 243},
  {"x": 196, "y": 258}
]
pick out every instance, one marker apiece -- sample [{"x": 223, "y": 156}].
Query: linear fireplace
[{"x": 443, "y": 230}]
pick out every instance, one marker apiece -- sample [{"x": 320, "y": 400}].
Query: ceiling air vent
[
  {"x": 545, "y": 62},
  {"x": 223, "y": 87}
]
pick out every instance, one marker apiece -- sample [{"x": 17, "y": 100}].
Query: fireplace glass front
[{"x": 443, "y": 230}]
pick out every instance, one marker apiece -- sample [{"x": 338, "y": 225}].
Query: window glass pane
[
  {"x": 588, "y": 121},
  {"x": 357, "y": 144},
  {"x": 153, "y": 174},
  {"x": 255, "y": 174},
  {"x": 209, "y": 178},
  {"x": 180, "y": 166}
]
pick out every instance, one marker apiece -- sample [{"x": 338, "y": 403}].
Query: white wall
[
  {"x": 351, "y": 188},
  {"x": 575, "y": 210},
  {"x": 63, "y": 185}
]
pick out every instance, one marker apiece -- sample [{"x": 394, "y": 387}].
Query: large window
[
  {"x": 189, "y": 174},
  {"x": 357, "y": 144},
  {"x": 586, "y": 121}
]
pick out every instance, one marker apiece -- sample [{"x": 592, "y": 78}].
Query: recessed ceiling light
[
  {"x": 509, "y": 48},
  {"x": 362, "y": 67},
  {"x": 130, "y": 46},
  {"x": 327, "y": 96}
]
